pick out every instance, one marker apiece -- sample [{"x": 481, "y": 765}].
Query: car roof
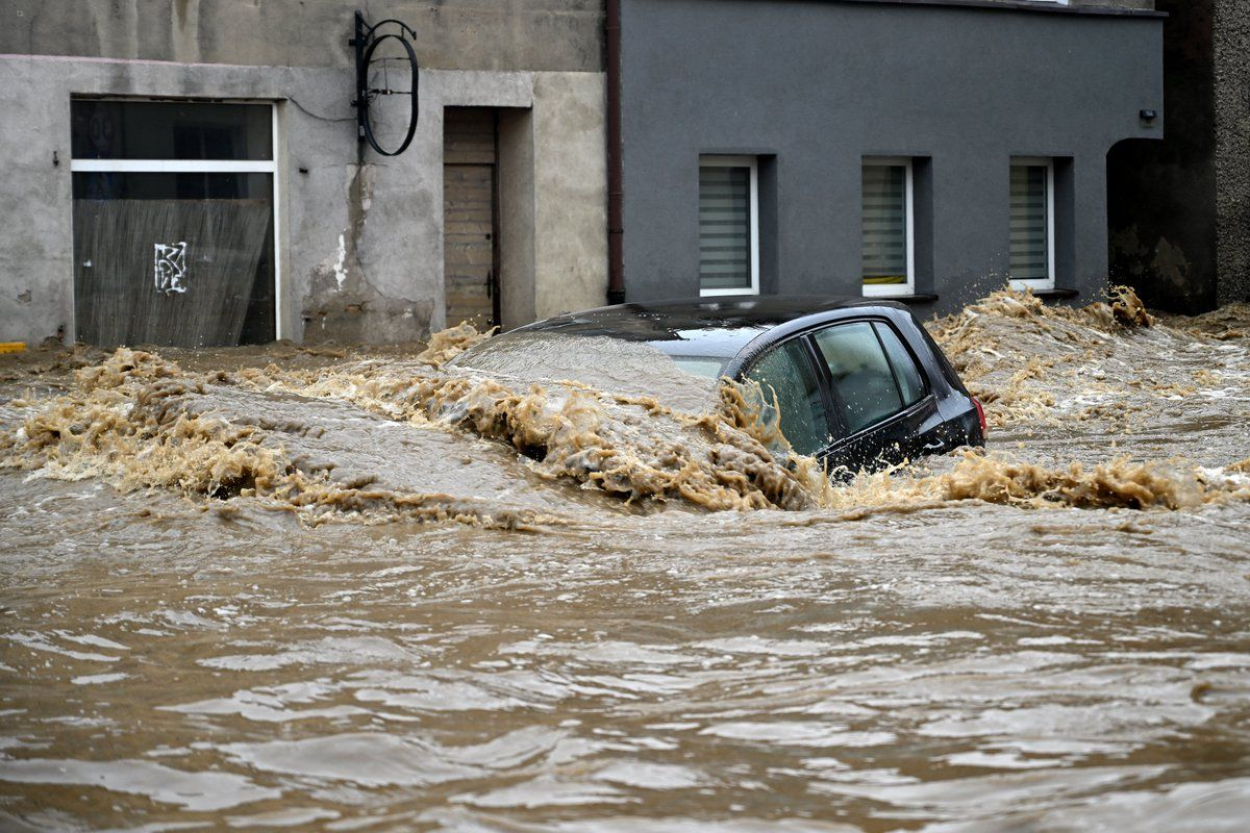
[{"x": 715, "y": 327}]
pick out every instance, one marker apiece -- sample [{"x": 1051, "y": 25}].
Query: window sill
[
  {"x": 1026, "y": 6},
  {"x": 1056, "y": 293},
  {"x": 905, "y": 299}
]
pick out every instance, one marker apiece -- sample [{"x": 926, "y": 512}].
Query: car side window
[
  {"x": 910, "y": 383},
  {"x": 860, "y": 374},
  {"x": 787, "y": 373}
]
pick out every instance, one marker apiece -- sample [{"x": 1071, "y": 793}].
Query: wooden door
[{"x": 471, "y": 216}]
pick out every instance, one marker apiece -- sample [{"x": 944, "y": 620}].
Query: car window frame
[
  {"x": 926, "y": 387},
  {"x": 833, "y": 414},
  {"x": 835, "y": 397}
]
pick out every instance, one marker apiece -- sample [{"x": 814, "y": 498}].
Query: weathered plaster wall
[
  {"x": 362, "y": 246},
  {"x": 499, "y": 35},
  {"x": 553, "y": 200},
  {"x": 36, "y": 249},
  {"x": 516, "y": 217},
  {"x": 1232, "y": 148},
  {"x": 391, "y": 255},
  {"x": 570, "y": 172}
]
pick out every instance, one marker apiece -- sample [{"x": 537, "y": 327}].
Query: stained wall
[{"x": 361, "y": 241}]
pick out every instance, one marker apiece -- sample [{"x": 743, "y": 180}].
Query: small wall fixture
[{"x": 1148, "y": 117}]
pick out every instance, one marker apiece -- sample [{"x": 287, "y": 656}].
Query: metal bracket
[{"x": 366, "y": 42}]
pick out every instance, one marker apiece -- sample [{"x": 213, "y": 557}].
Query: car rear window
[
  {"x": 861, "y": 374},
  {"x": 788, "y": 374}
]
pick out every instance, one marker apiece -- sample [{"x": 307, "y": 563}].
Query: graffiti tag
[{"x": 171, "y": 267}]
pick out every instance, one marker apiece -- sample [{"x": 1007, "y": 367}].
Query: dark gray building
[{"x": 927, "y": 150}]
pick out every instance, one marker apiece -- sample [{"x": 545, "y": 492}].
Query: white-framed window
[
  {"x": 889, "y": 251},
  {"x": 729, "y": 223},
  {"x": 1032, "y": 251},
  {"x": 177, "y": 237}
]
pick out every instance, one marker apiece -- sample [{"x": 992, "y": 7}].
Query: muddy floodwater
[{"x": 320, "y": 590}]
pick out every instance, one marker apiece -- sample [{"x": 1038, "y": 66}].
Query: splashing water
[
  {"x": 141, "y": 421},
  {"x": 230, "y": 598}
]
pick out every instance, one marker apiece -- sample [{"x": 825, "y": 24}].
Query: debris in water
[
  {"x": 140, "y": 420},
  {"x": 445, "y": 345}
]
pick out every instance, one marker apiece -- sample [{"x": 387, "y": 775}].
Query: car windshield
[{"x": 709, "y": 367}]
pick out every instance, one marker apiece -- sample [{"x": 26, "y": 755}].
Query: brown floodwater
[{"x": 333, "y": 590}]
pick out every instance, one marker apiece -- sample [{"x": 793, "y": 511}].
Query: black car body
[{"x": 858, "y": 382}]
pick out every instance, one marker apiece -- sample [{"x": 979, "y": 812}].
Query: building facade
[
  {"x": 189, "y": 173},
  {"x": 927, "y": 151}
]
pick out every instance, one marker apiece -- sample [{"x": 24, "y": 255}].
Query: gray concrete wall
[
  {"x": 361, "y": 246},
  {"x": 571, "y": 209},
  {"x": 553, "y": 203},
  {"x": 816, "y": 86},
  {"x": 1232, "y": 148},
  {"x": 496, "y": 35},
  {"x": 516, "y": 218}
]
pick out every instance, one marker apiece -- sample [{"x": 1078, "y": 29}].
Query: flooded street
[{"x": 284, "y": 589}]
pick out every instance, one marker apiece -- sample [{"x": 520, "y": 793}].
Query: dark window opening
[
  {"x": 171, "y": 130},
  {"x": 181, "y": 258}
]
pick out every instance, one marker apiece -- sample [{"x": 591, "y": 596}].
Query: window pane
[
  {"x": 860, "y": 374},
  {"x": 171, "y": 130},
  {"x": 885, "y": 224},
  {"x": 173, "y": 259},
  {"x": 725, "y": 227},
  {"x": 1030, "y": 258},
  {"x": 788, "y": 374},
  {"x": 905, "y": 370}
]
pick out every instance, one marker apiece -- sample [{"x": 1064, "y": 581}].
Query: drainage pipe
[{"x": 616, "y": 254}]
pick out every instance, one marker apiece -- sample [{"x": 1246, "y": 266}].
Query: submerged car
[{"x": 858, "y": 383}]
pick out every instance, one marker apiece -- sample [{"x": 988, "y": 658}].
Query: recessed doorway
[{"x": 471, "y": 216}]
